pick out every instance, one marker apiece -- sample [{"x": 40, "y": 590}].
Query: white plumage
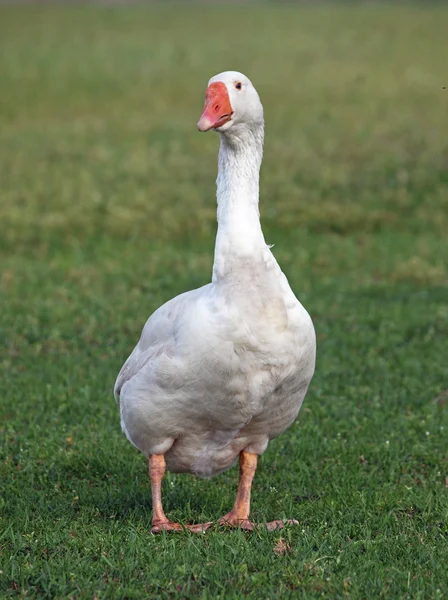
[{"x": 223, "y": 368}]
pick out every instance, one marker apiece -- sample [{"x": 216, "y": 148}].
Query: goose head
[{"x": 231, "y": 104}]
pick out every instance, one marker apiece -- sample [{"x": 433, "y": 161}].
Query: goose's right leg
[
  {"x": 239, "y": 515},
  {"x": 157, "y": 468}
]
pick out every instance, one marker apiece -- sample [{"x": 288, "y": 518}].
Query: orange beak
[{"x": 217, "y": 109}]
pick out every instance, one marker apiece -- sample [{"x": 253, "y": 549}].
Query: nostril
[{"x": 216, "y": 107}]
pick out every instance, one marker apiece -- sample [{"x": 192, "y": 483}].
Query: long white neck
[{"x": 239, "y": 234}]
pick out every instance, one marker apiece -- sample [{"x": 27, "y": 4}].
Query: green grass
[{"x": 107, "y": 210}]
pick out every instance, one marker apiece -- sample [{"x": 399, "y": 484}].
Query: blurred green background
[{"x": 107, "y": 210}]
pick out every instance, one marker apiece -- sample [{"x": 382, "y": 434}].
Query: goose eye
[{"x": 238, "y": 85}]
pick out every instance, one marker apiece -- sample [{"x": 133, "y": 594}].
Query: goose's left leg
[
  {"x": 239, "y": 515},
  {"x": 157, "y": 468}
]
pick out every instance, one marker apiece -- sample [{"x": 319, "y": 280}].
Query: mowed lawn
[{"x": 107, "y": 210}]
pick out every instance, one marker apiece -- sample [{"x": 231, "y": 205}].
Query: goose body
[{"x": 222, "y": 369}]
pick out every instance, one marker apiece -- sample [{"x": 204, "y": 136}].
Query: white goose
[{"x": 221, "y": 370}]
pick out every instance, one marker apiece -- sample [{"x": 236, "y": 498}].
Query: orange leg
[
  {"x": 239, "y": 515},
  {"x": 160, "y": 522}
]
